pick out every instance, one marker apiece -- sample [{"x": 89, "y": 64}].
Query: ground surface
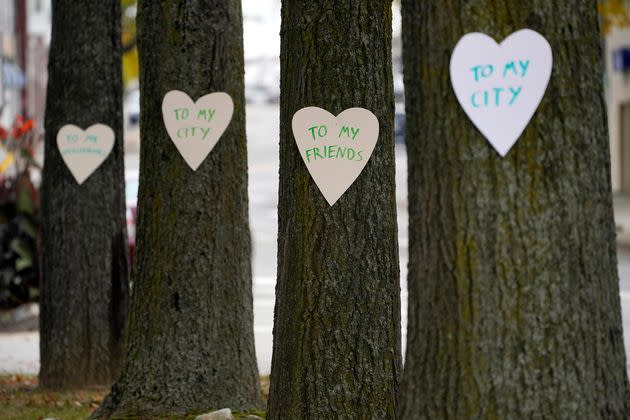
[{"x": 21, "y": 399}]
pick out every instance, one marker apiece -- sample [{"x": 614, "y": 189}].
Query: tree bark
[
  {"x": 191, "y": 338},
  {"x": 514, "y": 308},
  {"x": 84, "y": 286},
  {"x": 337, "y": 315}
]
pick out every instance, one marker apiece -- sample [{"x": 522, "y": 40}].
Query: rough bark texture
[
  {"x": 191, "y": 338},
  {"x": 84, "y": 290},
  {"x": 337, "y": 315},
  {"x": 514, "y": 307}
]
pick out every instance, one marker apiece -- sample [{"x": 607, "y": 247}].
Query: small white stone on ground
[{"x": 224, "y": 414}]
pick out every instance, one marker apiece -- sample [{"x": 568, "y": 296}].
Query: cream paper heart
[
  {"x": 195, "y": 127},
  {"x": 335, "y": 149},
  {"x": 84, "y": 151},
  {"x": 500, "y": 86}
]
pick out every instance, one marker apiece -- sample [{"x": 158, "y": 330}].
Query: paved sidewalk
[{"x": 19, "y": 353}]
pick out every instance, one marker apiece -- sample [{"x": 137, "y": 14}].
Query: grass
[{"x": 21, "y": 399}]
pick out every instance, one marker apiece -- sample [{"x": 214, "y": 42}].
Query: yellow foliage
[
  {"x": 613, "y": 13},
  {"x": 130, "y": 66},
  {"x": 6, "y": 163},
  {"x": 130, "y": 53}
]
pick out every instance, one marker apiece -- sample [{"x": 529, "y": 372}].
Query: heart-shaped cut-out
[
  {"x": 501, "y": 86},
  {"x": 335, "y": 149},
  {"x": 84, "y": 151},
  {"x": 195, "y": 127}
]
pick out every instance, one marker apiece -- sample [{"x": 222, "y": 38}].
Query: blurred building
[
  {"x": 24, "y": 40},
  {"x": 12, "y": 79},
  {"x": 618, "y": 99},
  {"x": 38, "y": 29}
]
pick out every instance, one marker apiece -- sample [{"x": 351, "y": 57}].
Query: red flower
[
  {"x": 21, "y": 127},
  {"x": 28, "y": 125},
  {"x": 3, "y": 133}
]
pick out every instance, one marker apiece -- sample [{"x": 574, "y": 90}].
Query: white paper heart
[
  {"x": 84, "y": 151},
  {"x": 501, "y": 86},
  {"x": 335, "y": 149},
  {"x": 195, "y": 127}
]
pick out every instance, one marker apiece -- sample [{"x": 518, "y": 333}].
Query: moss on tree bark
[
  {"x": 191, "y": 341},
  {"x": 514, "y": 307},
  {"x": 337, "y": 316},
  {"x": 84, "y": 286}
]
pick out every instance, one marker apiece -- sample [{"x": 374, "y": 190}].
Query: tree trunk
[
  {"x": 84, "y": 290},
  {"x": 514, "y": 307},
  {"x": 191, "y": 338},
  {"x": 337, "y": 315}
]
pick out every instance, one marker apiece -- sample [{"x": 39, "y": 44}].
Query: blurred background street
[
  {"x": 19, "y": 352},
  {"x": 19, "y": 339}
]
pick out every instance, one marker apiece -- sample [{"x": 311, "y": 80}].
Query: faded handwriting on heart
[
  {"x": 500, "y": 86},
  {"x": 335, "y": 149},
  {"x": 84, "y": 151}
]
